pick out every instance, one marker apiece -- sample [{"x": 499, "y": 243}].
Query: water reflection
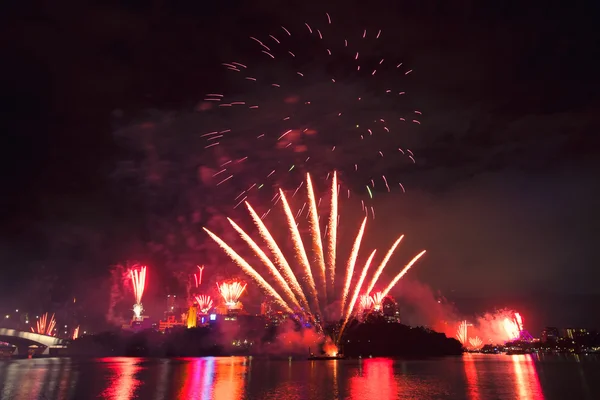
[
  {"x": 474, "y": 376},
  {"x": 376, "y": 380},
  {"x": 122, "y": 383},
  {"x": 471, "y": 375},
  {"x": 229, "y": 379},
  {"x": 32, "y": 379},
  {"x": 527, "y": 383},
  {"x": 197, "y": 378}
]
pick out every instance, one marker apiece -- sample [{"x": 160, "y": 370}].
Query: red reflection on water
[
  {"x": 198, "y": 379},
  {"x": 122, "y": 383},
  {"x": 471, "y": 374},
  {"x": 229, "y": 378},
  {"x": 376, "y": 381},
  {"x": 527, "y": 383}
]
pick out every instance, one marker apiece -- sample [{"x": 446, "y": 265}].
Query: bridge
[{"x": 22, "y": 340}]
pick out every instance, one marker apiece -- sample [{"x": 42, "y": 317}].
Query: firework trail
[
  {"x": 511, "y": 327},
  {"x": 377, "y": 300},
  {"x": 286, "y": 285},
  {"x": 45, "y": 325},
  {"x": 198, "y": 276},
  {"x": 461, "y": 332},
  {"x": 366, "y": 303},
  {"x": 76, "y": 333},
  {"x": 265, "y": 259},
  {"x": 519, "y": 321},
  {"x": 205, "y": 303},
  {"x": 383, "y": 264},
  {"x": 394, "y": 281},
  {"x": 138, "y": 281},
  {"x": 249, "y": 270},
  {"x": 332, "y": 232},
  {"x": 357, "y": 290},
  {"x": 352, "y": 263},
  {"x": 279, "y": 257},
  {"x": 300, "y": 250},
  {"x": 475, "y": 342},
  {"x": 316, "y": 234},
  {"x": 305, "y": 86}
]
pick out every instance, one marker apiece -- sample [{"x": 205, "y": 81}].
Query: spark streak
[
  {"x": 357, "y": 289},
  {"x": 316, "y": 233},
  {"x": 263, "y": 257},
  {"x": 332, "y": 231},
  {"x": 352, "y": 263},
  {"x": 279, "y": 257},
  {"x": 383, "y": 264},
  {"x": 249, "y": 270},
  {"x": 386, "y": 291},
  {"x": 281, "y": 271},
  {"x": 299, "y": 247}
]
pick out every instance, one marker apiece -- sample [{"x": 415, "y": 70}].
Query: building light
[{"x": 213, "y": 317}]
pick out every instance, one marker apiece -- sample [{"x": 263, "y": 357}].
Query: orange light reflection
[
  {"x": 229, "y": 378},
  {"x": 527, "y": 383}
]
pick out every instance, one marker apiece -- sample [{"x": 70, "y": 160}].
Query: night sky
[{"x": 503, "y": 197}]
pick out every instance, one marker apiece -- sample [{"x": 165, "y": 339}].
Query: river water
[{"x": 472, "y": 376}]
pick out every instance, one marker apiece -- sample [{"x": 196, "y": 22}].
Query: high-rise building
[
  {"x": 550, "y": 334},
  {"x": 171, "y": 303},
  {"x": 390, "y": 310}
]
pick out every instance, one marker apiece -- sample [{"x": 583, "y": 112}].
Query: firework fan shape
[
  {"x": 205, "y": 303},
  {"x": 315, "y": 285},
  {"x": 476, "y": 342},
  {"x": 312, "y": 98},
  {"x": 45, "y": 325}
]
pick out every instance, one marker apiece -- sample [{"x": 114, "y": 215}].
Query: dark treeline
[
  {"x": 379, "y": 338},
  {"x": 375, "y": 338}
]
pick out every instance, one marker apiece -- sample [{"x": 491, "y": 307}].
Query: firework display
[
  {"x": 45, "y": 325},
  {"x": 138, "y": 282},
  {"x": 205, "y": 303},
  {"x": 365, "y": 302},
  {"x": 495, "y": 327},
  {"x": 76, "y": 333},
  {"x": 231, "y": 293},
  {"x": 377, "y": 300},
  {"x": 461, "y": 332},
  {"x": 475, "y": 342},
  {"x": 310, "y": 288},
  {"x": 312, "y": 98}
]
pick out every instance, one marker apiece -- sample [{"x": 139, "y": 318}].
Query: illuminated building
[
  {"x": 171, "y": 303},
  {"x": 550, "y": 334},
  {"x": 390, "y": 310},
  {"x": 192, "y": 316},
  {"x": 169, "y": 323},
  {"x": 575, "y": 333}
]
